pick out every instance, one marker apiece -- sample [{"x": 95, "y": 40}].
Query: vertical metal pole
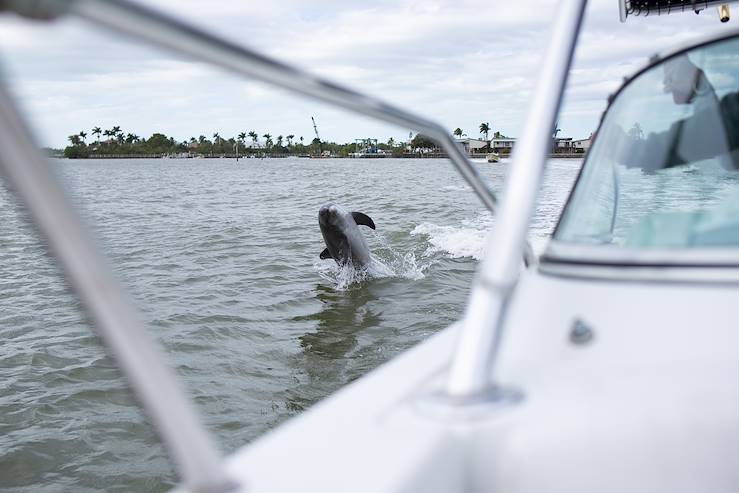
[
  {"x": 484, "y": 320},
  {"x": 117, "y": 322}
]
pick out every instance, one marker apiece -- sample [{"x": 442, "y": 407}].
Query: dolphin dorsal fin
[
  {"x": 363, "y": 219},
  {"x": 325, "y": 254}
]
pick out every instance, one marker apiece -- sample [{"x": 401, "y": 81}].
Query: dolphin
[{"x": 344, "y": 241}]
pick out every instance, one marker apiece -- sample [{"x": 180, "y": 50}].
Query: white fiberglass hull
[{"x": 649, "y": 404}]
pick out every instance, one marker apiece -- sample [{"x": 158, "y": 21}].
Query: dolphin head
[{"x": 329, "y": 215}]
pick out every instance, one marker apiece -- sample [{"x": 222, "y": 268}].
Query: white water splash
[
  {"x": 455, "y": 188},
  {"x": 386, "y": 262},
  {"x": 341, "y": 276},
  {"x": 466, "y": 240},
  {"x": 396, "y": 263}
]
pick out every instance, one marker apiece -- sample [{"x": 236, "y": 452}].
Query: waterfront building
[
  {"x": 582, "y": 145},
  {"x": 473, "y": 146},
  {"x": 563, "y": 144},
  {"x": 502, "y": 144}
]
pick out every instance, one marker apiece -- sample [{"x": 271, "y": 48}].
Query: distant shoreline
[
  {"x": 427, "y": 155},
  {"x": 120, "y": 145}
]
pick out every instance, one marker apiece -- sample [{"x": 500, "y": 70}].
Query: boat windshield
[{"x": 663, "y": 171}]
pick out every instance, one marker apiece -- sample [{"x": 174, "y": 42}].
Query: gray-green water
[{"x": 222, "y": 259}]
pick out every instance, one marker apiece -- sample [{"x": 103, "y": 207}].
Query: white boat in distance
[{"x": 607, "y": 364}]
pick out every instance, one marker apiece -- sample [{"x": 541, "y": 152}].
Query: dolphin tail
[
  {"x": 325, "y": 254},
  {"x": 363, "y": 219}
]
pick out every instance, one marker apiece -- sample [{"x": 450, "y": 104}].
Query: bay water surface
[{"x": 221, "y": 257}]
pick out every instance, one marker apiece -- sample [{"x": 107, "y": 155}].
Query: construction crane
[{"x": 315, "y": 129}]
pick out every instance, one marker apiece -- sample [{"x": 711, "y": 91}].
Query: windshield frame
[{"x": 597, "y": 260}]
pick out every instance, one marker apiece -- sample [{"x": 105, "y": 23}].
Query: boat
[
  {"x": 493, "y": 157},
  {"x": 607, "y": 363}
]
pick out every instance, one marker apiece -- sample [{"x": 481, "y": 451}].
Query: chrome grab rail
[{"x": 482, "y": 329}]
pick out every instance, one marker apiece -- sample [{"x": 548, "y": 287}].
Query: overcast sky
[{"x": 460, "y": 63}]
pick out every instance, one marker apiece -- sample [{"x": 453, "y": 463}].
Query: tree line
[{"x": 115, "y": 141}]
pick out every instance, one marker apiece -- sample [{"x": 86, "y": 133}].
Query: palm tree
[
  {"x": 217, "y": 142},
  {"x": 555, "y": 131},
  {"x": 279, "y": 141},
  {"x": 114, "y": 133},
  {"x": 241, "y": 139},
  {"x": 267, "y": 140},
  {"x": 290, "y": 140},
  {"x": 484, "y": 129},
  {"x": 253, "y": 136},
  {"x": 391, "y": 142},
  {"x": 74, "y": 139},
  {"x": 301, "y": 140},
  {"x": 96, "y": 131},
  {"x": 83, "y": 135},
  {"x": 458, "y": 132}
]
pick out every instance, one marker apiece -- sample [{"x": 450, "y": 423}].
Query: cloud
[{"x": 460, "y": 63}]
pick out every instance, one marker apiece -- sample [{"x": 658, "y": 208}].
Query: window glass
[{"x": 662, "y": 172}]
